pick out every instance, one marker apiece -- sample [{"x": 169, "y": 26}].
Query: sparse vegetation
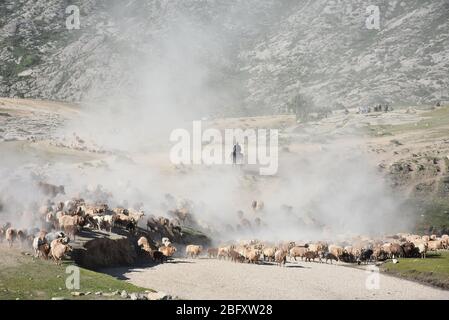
[
  {"x": 23, "y": 277},
  {"x": 434, "y": 270}
]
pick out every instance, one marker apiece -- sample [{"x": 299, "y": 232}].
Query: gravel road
[{"x": 213, "y": 279}]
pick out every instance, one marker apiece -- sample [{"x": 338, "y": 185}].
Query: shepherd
[{"x": 236, "y": 153}]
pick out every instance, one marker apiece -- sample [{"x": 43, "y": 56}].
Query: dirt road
[{"x": 213, "y": 279}]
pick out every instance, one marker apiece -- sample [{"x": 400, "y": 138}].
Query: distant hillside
[{"x": 250, "y": 55}]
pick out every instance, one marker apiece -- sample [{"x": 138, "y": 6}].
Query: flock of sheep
[
  {"x": 61, "y": 222},
  {"x": 357, "y": 250}
]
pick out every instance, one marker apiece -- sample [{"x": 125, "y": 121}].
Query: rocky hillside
[
  {"x": 252, "y": 53},
  {"x": 324, "y": 49}
]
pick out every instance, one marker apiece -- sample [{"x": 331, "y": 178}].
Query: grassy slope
[
  {"x": 23, "y": 277},
  {"x": 433, "y": 270},
  {"x": 436, "y": 120}
]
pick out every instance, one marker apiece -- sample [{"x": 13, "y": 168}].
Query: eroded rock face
[
  {"x": 322, "y": 48},
  {"x": 104, "y": 252}
]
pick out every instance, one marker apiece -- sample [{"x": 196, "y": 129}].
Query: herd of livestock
[
  {"x": 358, "y": 250},
  {"x": 62, "y": 221}
]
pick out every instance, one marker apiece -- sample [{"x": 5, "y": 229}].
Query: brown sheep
[
  {"x": 445, "y": 241},
  {"x": 311, "y": 256},
  {"x": 378, "y": 253},
  {"x": 58, "y": 250},
  {"x": 224, "y": 252},
  {"x": 168, "y": 251},
  {"x": 397, "y": 250},
  {"x": 235, "y": 256},
  {"x": 297, "y": 252},
  {"x": 318, "y": 247},
  {"x": 22, "y": 236},
  {"x": 212, "y": 252},
  {"x": 44, "y": 250},
  {"x": 155, "y": 255},
  {"x": 337, "y": 250},
  {"x": 193, "y": 250},
  {"x": 330, "y": 256},
  {"x": 268, "y": 253},
  {"x": 144, "y": 244},
  {"x": 280, "y": 257},
  {"x": 11, "y": 235},
  {"x": 70, "y": 224},
  {"x": 50, "y": 189},
  {"x": 252, "y": 255},
  {"x": 386, "y": 247},
  {"x": 435, "y": 245}
]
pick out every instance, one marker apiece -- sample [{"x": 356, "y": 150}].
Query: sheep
[
  {"x": 311, "y": 256},
  {"x": 22, "y": 236},
  {"x": 435, "y": 245},
  {"x": 58, "y": 250},
  {"x": 422, "y": 248},
  {"x": 337, "y": 250},
  {"x": 152, "y": 224},
  {"x": 103, "y": 221},
  {"x": 144, "y": 244},
  {"x": 41, "y": 246},
  {"x": 193, "y": 250},
  {"x": 56, "y": 235},
  {"x": 52, "y": 219},
  {"x": 71, "y": 224},
  {"x": 445, "y": 241},
  {"x": 212, "y": 252},
  {"x": 330, "y": 256},
  {"x": 235, "y": 256},
  {"x": 252, "y": 255},
  {"x": 156, "y": 255},
  {"x": 365, "y": 256},
  {"x": 397, "y": 250},
  {"x": 409, "y": 249},
  {"x": 224, "y": 252},
  {"x": 128, "y": 222},
  {"x": 298, "y": 252},
  {"x": 50, "y": 189},
  {"x": 136, "y": 215},
  {"x": 168, "y": 251},
  {"x": 93, "y": 210},
  {"x": 287, "y": 245},
  {"x": 280, "y": 257},
  {"x": 11, "y": 235},
  {"x": 38, "y": 242},
  {"x": 378, "y": 254},
  {"x": 44, "y": 250},
  {"x": 166, "y": 242},
  {"x": 386, "y": 247},
  {"x": 268, "y": 253},
  {"x": 318, "y": 247}
]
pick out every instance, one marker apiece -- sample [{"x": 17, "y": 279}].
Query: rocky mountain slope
[{"x": 240, "y": 53}]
